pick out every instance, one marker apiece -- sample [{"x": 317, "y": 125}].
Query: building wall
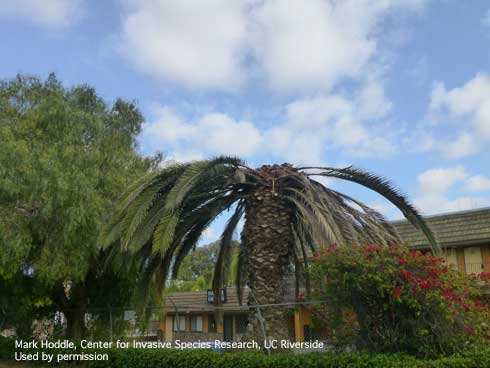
[
  {"x": 197, "y": 336},
  {"x": 168, "y": 333},
  {"x": 470, "y": 259},
  {"x": 486, "y": 258}
]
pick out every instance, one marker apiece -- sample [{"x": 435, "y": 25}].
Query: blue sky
[{"x": 399, "y": 87}]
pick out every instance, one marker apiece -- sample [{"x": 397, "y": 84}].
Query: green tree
[
  {"x": 196, "y": 270},
  {"x": 162, "y": 215},
  {"x": 65, "y": 156},
  {"x": 22, "y": 299}
]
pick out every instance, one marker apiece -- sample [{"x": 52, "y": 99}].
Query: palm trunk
[{"x": 267, "y": 236}]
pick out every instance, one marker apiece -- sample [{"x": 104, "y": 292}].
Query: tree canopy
[
  {"x": 197, "y": 269},
  {"x": 65, "y": 156}
]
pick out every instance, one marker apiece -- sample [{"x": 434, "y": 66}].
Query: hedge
[{"x": 161, "y": 358}]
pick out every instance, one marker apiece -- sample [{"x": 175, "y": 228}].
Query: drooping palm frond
[
  {"x": 162, "y": 216},
  {"x": 224, "y": 253},
  {"x": 323, "y": 216},
  {"x": 241, "y": 271},
  {"x": 383, "y": 187},
  {"x": 134, "y": 205}
]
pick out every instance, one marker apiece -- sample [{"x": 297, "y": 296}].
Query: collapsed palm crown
[{"x": 161, "y": 217}]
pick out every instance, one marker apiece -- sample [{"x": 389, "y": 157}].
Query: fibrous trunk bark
[{"x": 267, "y": 237}]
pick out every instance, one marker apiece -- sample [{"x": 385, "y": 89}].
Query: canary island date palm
[{"x": 287, "y": 214}]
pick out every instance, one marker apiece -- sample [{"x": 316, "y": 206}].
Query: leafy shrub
[
  {"x": 7, "y": 348},
  {"x": 391, "y": 299}
]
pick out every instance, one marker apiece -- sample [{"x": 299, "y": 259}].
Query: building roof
[
  {"x": 451, "y": 229},
  {"x": 197, "y": 301}
]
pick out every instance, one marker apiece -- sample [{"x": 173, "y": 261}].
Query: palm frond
[
  {"x": 384, "y": 188},
  {"x": 164, "y": 232},
  {"x": 198, "y": 222},
  {"x": 131, "y": 202},
  {"x": 225, "y": 249},
  {"x": 301, "y": 240},
  {"x": 146, "y": 278},
  {"x": 139, "y": 211},
  {"x": 184, "y": 184},
  {"x": 241, "y": 271},
  {"x": 366, "y": 226},
  {"x": 298, "y": 269},
  {"x": 317, "y": 214}
]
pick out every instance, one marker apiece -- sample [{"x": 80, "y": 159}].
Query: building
[
  {"x": 464, "y": 237},
  {"x": 190, "y": 316}
]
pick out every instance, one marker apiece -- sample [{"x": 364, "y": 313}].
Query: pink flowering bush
[{"x": 384, "y": 299}]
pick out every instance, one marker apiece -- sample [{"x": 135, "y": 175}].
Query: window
[
  {"x": 179, "y": 323},
  {"x": 222, "y": 294},
  {"x": 241, "y": 322},
  {"x": 211, "y": 323},
  {"x": 473, "y": 260},
  {"x": 196, "y": 323},
  {"x": 451, "y": 257}
]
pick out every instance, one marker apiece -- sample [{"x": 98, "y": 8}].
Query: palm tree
[{"x": 287, "y": 215}]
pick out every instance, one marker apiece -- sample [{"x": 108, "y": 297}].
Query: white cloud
[
  {"x": 441, "y": 204},
  {"x": 308, "y": 44},
  {"x": 199, "y": 44},
  {"x": 387, "y": 209},
  {"x": 308, "y": 128},
  {"x": 313, "y": 125},
  {"x": 477, "y": 183},
  {"x": 418, "y": 139},
  {"x": 311, "y": 45},
  {"x": 295, "y": 45},
  {"x": 46, "y": 13},
  {"x": 465, "y": 144},
  {"x": 295, "y": 146},
  {"x": 486, "y": 19},
  {"x": 210, "y": 134},
  {"x": 373, "y": 102},
  {"x": 434, "y": 191},
  {"x": 439, "y": 180},
  {"x": 420, "y": 71},
  {"x": 224, "y": 135},
  {"x": 211, "y": 234},
  {"x": 465, "y": 111}
]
